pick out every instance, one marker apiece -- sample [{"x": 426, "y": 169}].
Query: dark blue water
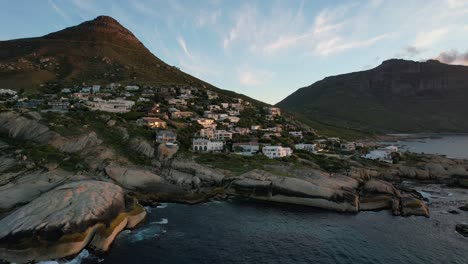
[
  {"x": 453, "y": 146},
  {"x": 249, "y": 232}
]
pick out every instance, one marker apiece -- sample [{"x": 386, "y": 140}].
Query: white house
[
  {"x": 306, "y": 147},
  {"x": 209, "y": 114},
  {"x": 234, "y": 119},
  {"x": 176, "y": 101},
  {"x": 296, "y": 134},
  {"x": 96, "y": 88},
  {"x": 348, "y": 146},
  {"x": 132, "y": 88},
  {"x": 250, "y": 147},
  {"x": 66, "y": 90},
  {"x": 7, "y": 92},
  {"x": 206, "y": 145},
  {"x": 207, "y": 133},
  {"x": 224, "y": 105},
  {"x": 211, "y": 95},
  {"x": 383, "y": 154},
  {"x": 255, "y": 127},
  {"x": 204, "y": 122},
  {"x": 214, "y": 107},
  {"x": 272, "y": 111},
  {"x": 222, "y": 135},
  {"x": 276, "y": 151},
  {"x": 113, "y": 106}
]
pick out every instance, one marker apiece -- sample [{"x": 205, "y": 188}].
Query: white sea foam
[
  {"x": 163, "y": 205},
  {"x": 77, "y": 260},
  {"x": 162, "y": 222}
]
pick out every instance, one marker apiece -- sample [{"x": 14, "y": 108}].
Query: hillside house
[
  {"x": 214, "y": 107},
  {"x": 59, "y": 106},
  {"x": 152, "y": 122},
  {"x": 33, "y": 103},
  {"x": 233, "y": 119},
  {"x": 206, "y": 145},
  {"x": 222, "y": 135},
  {"x": 382, "y": 154},
  {"x": 166, "y": 136},
  {"x": 112, "y": 106},
  {"x": 209, "y": 114},
  {"x": 255, "y": 127},
  {"x": 211, "y": 95},
  {"x": 276, "y": 151},
  {"x": 248, "y": 147},
  {"x": 297, "y": 134},
  {"x": 207, "y": 133},
  {"x": 96, "y": 88},
  {"x": 204, "y": 122},
  {"x": 306, "y": 147},
  {"x": 176, "y": 101},
  {"x": 242, "y": 130},
  {"x": 132, "y": 88},
  {"x": 225, "y": 105},
  {"x": 348, "y": 146},
  {"x": 272, "y": 111}
]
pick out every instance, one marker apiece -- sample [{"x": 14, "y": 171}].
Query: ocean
[
  {"x": 453, "y": 146},
  {"x": 240, "y": 231}
]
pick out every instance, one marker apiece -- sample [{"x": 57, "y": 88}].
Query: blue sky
[{"x": 265, "y": 49}]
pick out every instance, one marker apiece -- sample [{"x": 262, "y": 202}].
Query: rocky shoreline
[{"x": 50, "y": 213}]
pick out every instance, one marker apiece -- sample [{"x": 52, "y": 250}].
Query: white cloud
[
  {"x": 426, "y": 39},
  {"x": 253, "y": 77},
  {"x": 58, "y": 10},
  {"x": 207, "y": 18},
  {"x": 184, "y": 47},
  {"x": 336, "y": 44}
]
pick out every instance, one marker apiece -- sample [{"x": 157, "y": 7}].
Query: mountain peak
[
  {"x": 100, "y": 29},
  {"x": 106, "y": 19}
]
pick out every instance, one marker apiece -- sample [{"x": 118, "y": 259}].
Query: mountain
[
  {"x": 396, "y": 96},
  {"x": 99, "y": 51}
]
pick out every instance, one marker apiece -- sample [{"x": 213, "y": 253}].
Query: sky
[{"x": 266, "y": 49}]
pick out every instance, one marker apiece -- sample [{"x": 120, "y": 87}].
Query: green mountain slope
[
  {"x": 99, "y": 51},
  {"x": 397, "y": 96}
]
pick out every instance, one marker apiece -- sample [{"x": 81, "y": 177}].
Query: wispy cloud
[
  {"x": 253, "y": 77},
  {"x": 336, "y": 45},
  {"x": 184, "y": 47},
  {"x": 426, "y": 39},
  {"x": 58, "y": 10}
]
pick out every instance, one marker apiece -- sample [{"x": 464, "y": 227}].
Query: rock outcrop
[
  {"x": 133, "y": 178},
  {"x": 18, "y": 189},
  {"x": 462, "y": 229},
  {"x": 66, "y": 219},
  {"x": 316, "y": 192},
  {"x": 22, "y": 128},
  {"x": 142, "y": 146}
]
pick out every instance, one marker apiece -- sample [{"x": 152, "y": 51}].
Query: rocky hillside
[
  {"x": 100, "y": 51},
  {"x": 396, "y": 96}
]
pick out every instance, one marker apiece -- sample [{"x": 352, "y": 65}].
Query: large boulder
[
  {"x": 133, "y": 178},
  {"x": 142, "y": 146},
  {"x": 80, "y": 143},
  {"x": 411, "y": 205},
  {"x": 377, "y": 195},
  {"x": 462, "y": 229},
  {"x": 19, "y": 127},
  {"x": 26, "y": 187},
  {"x": 64, "y": 220},
  {"x": 316, "y": 192}
]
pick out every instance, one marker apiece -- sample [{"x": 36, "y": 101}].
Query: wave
[
  {"x": 84, "y": 254},
  {"x": 162, "y": 222}
]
